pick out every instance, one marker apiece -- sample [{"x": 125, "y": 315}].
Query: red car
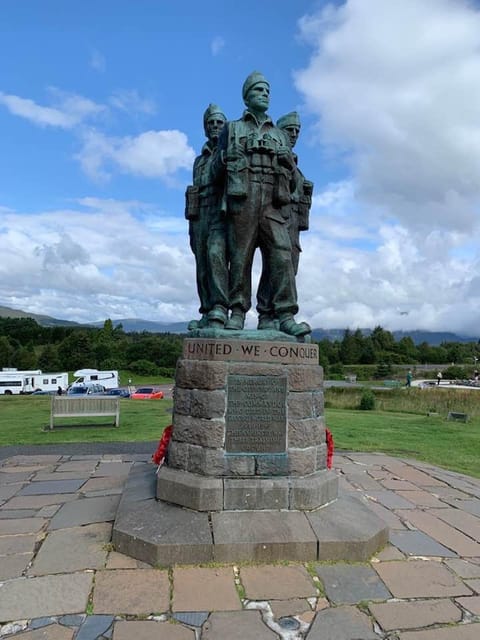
[{"x": 147, "y": 393}]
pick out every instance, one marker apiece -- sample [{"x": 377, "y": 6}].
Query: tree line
[{"x": 25, "y": 344}]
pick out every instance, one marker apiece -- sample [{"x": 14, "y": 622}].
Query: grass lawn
[
  {"x": 452, "y": 445},
  {"x": 23, "y": 418}
]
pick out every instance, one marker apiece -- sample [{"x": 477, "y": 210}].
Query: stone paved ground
[{"x": 60, "y": 578}]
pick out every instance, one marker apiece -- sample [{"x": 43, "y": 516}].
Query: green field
[{"x": 399, "y": 426}]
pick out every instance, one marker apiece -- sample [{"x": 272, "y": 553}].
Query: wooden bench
[
  {"x": 456, "y": 415},
  {"x": 66, "y": 407}
]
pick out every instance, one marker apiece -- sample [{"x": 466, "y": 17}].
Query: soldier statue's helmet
[
  {"x": 291, "y": 119},
  {"x": 212, "y": 110},
  {"x": 254, "y": 78}
]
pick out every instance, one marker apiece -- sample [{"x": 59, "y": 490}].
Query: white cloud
[
  {"x": 216, "y": 45},
  {"x": 95, "y": 260},
  {"x": 131, "y": 102},
  {"x": 152, "y": 154},
  {"x": 68, "y": 111},
  {"x": 395, "y": 85}
]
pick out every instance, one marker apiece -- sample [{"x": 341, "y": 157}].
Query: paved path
[{"x": 60, "y": 579}]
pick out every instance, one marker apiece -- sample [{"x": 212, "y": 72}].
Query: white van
[{"x": 108, "y": 379}]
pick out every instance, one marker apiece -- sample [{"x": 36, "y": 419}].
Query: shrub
[
  {"x": 143, "y": 367},
  {"x": 367, "y": 401}
]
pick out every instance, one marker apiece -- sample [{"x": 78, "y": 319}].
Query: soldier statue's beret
[{"x": 289, "y": 120}]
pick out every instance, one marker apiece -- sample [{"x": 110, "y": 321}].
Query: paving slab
[
  {"x": 94, "y": 626},
  {"x": 420, "y": 579},
  {"x": 341, "y": 623},
  {"x": 117, "y": 560},
  {"x": 474, "y": 584},
  {"x": 50, "y": 487},
  {"x": 412, "y": 615},
  {"x": 275, "y": 582},
  {"x": 7, "y": 491},
  {"x": 464, "y": 568},
  {"x": 360, "y": 478},
  {"x": 21, "y": 525},
  {"x": 217, "y": 593},
  {"x": 461, "y": 632},
  {"x": 351, "y": 583},
  {"x": 131, "y": 591},
  {"x": 389, "y": 553},
  {"x": 422, "y": 498},
  {"x": 25, "y": 598},
  {"x": 14, "y": 514},
  {"x": 41, "y": 460},
  {"x": 443, "y": 533},
  {"x": 236, "y": 625},
  {"x": 191, "y": 618},
  {"x": 37, "y": 502},
  {"x": 263, "y": 536},
  {"x": 84, "y": 466},
  {"x": 151, "y": 630},
  {"x": 106, "y": 483},
  {"x": 415, "y": 476},
  {"x": 391, "y": 520},
  {"x": 397, "y": 485},
  {"x": 24, "y": 543},
  {"x": 14, "y": 476},
  {"x": 417, "y": 543},
  {"x": 390, "y": 500},
  {"x": 13, "y": 566},
  {"x": 50, "y": 632},
  {"x": 106, "y": 469},
  {"x": 471, "y": 604},
  {"x": 464, "y": 522},
  {"x": 74, "y": 549},
  {"x": 48, "y": 476},
  {"x": 85, "y": 511}
]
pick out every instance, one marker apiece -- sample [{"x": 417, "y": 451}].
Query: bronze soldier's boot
[
  {"x": 236, "y": 320},
  {"x": 217, "y": 316},
  {"x": 292, "y": 328},
  {"x": 198, "y": 324},
  {"x": 267, "y": 322}
]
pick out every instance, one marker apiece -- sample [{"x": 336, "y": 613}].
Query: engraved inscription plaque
[{"x": 256, "y": 419}]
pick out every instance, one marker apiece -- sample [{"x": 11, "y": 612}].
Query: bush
[
  {"x": 367, "y": 401},
  {"x": 455, "y": 372},
  {"x": 143, "y": 367}
]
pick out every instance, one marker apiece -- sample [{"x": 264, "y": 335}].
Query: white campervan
[{"x": 108, "y": 379}]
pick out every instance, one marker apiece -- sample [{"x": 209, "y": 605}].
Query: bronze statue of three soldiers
[{"x": 248, "y": 193}]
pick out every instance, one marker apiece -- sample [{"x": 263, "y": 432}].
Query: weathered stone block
[
  {"x": 198, "y": 374},
  {"x": 300, "y": 405},
  {"x": 313, "y": 491},
  {"x": 318, "y": 404},
  {"x": 207, "y": 404},
  {"x": 178, "y": 455},
  {"x": 206, "y": 462},
  {"x": 321, "y": 456},
  {"x": 255, "y": 493},
  {"x": 239, "y": 465},
  {"x": 182, "y": 401},
  {"x": 206, "y": 433},
  {"x": 189, "y": 490},
  {"x": 306, "y": 432},
  {"x": 272, "y": 464},
  {"x": 305, "y": 378},
  {"x": 302, "y": 462}
]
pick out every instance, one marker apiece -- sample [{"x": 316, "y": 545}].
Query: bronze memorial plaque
[{"x": 256, "y": 420}]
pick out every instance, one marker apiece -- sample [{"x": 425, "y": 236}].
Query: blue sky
[{"x": 101, "y": 109}]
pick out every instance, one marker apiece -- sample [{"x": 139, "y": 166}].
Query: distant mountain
[
  {"x": 433, "y": 338},
  {"x": 43, "y": 320},
  {"x": 135, "y": 324}
]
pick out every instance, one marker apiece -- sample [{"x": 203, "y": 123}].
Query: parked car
[
  {"x": 147, "y": 393},
  {"x": 122, "y": 393},
  {"x": 85, "y": 390},
  {"x": 40, "y": 392}
]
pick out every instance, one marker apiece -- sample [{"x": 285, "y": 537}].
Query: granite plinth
[{"x": 166, "y": 534}]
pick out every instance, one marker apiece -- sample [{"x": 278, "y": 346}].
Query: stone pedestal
[{"x": 248, "y": 428}]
